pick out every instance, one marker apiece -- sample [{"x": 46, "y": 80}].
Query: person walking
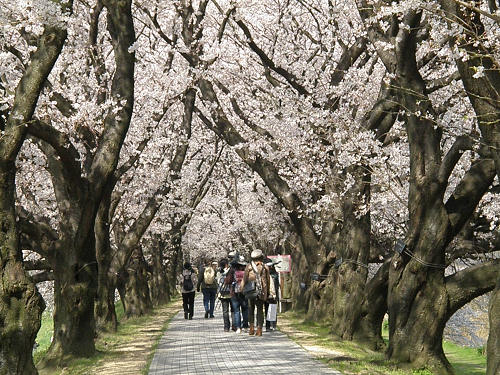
[
  {"x": 238, "y": 300},
  {"x": 257, "y": 278},
  {"x": 208, "y": 283},
  {"x": 271, "y": 324},
  {"x": 232, "y": 262},
  {"x": 224, "y": 292},
  {"x": 187, "y": 281}
]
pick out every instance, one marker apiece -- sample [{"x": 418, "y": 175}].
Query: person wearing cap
[
  {"x": 230, "y": 257},
  {"x": 224, "y": 294},
  {"x": 187, "y": 281},
  {"x": 258, "y": 273},
  {"x": 239, "y": 303},
  {"x": 208, "y": 284},
  {"x": 271, "y": 325}
]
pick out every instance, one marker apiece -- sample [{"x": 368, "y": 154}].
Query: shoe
[
  {"x": 185, "y": 315},
  {"x": 245, "y": 330},
  {"x": 190, "y": 317},
  {"x": 259, "y": 331},
  {"x": 238, "y": 330},
  {"x": 251, "y": 332},
  {"x": 233, "y": 328},
  {"x": 226, "y": 329},
  {"x": 211, "y": 316},
  {"x": 206, "y": 315}
]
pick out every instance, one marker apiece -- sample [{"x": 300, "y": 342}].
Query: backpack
[
  {"x": 224, "y": 287},
  {"x": 238, "y": 275},
  {"x": 187, "y": 284},
  {"x": 209, "y": 276}
]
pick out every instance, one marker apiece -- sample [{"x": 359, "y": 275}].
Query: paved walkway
[{"x": 200, "y": 346}]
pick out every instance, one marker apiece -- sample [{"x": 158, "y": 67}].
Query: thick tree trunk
[
  {"x": 137, "y": 301},
  {"x": 160, "y": 293},
  {"x": 21, "y": 305},
  {"x": 74, "y": 293},
  {"x": 493, "y": 348},
  {"x": 350, "y": 277},
  {"x": 417, "y": 317},
  {"x": 105, "y": 313},
  {"x": 417, "y": 297}
]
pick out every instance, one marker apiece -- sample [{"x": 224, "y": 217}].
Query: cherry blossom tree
[
  {"x": 79, "y": 184},
  {"x": 43, "y": 35}
]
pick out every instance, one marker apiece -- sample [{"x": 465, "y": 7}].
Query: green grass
[
  {"x": 105, "y": 344},
  {"x": 359, "y": 360},
  {"x": 44, "y": 335}
]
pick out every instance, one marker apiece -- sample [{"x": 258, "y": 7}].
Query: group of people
[{"x": 247, "y": 291}]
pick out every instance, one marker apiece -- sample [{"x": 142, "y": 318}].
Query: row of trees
[{"x": 350, "y": 124}]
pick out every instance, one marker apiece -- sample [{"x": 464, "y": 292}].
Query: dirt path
[{"x": 131, "y": 357}]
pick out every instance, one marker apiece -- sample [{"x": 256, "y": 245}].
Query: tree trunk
[
  {"x": 493, "y": 348},
  {"x": 417, "y": 317},
  {"x": 160, "y": 293},
  {"x": 74, "y": 293},
  {"x": 350, "y": 276},
  {"x": 21, "y": 305},
  {"x": 136, "y": 295},
  {"x": 105, "y": 313}
]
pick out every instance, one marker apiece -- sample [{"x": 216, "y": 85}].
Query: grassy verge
[
  {"x": 135, "y": 337},
  {"x": 351, "y": 358}
]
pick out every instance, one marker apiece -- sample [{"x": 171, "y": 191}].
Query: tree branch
[
  {"x": 468, "y": 193},
  {"x": 465, "y": 285},
  {"x": 60, "y": 142},
  {"x": 450, "y": 160}
]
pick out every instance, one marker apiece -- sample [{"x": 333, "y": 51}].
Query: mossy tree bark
[
  {"x": 484, "y": 95},
  {"x": 420, "y": 297},
  {"x": 493, "y": 346},
  {"x": 21, "y": 305},
  {"x": 74, "y": 257},
  {"x": 136, "y": 298},
  {"x": 159, "y": 284}
]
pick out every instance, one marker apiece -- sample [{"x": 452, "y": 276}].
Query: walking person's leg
[
  {"x": 191, "y": 304},
  {"x": 225, "y": 313},
  {"x": 268, "y": 323},
  {"x": 251, "y": 316},
  {"x": 233, "y": 326},
  {"x": 244, "y": 311},
  {"x": 185, "y": 304},
  {"x": 236, "y": 313},
  {"x": 260, "y": 316},
  {"x": 206, "y": 299},
  {"x": 212, "y": 294}
]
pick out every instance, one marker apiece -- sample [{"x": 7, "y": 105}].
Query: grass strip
[
  {"x": 351, "y": 358},
  {"x": 132, "y": 346}
]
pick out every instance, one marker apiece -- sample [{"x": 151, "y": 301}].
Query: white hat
[
  {"x": 231, "y": 254},
  {"x": 256, "y": 254},
  {"x": 242, "y": 261}
]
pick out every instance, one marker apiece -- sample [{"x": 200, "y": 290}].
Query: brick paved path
[{"x": 200, "y": 346}]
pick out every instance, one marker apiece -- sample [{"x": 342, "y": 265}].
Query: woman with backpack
[
  {"x": 238, "y": 301},
  {"x": 257, "y": 287},
  {"x": 224, "y": 294},
  {"x": 208, "y": 284},
  {"x": 187, "y": 281}
]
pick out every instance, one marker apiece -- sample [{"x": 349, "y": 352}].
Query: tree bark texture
[
  {"x": 105, "y": 313},
  {"x": 137, "y": 300},
  {"x": 21, "y": 305},
  {"x": 493, "y": 346},
  {"x": 159, "y": 285}
]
